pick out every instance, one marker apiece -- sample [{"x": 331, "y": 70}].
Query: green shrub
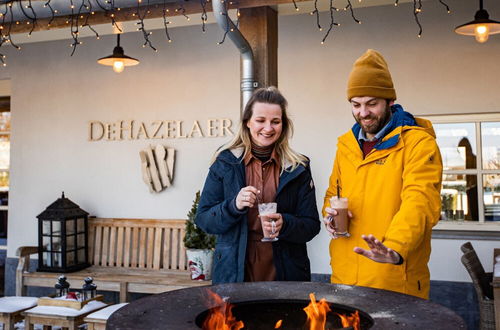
[{"x": 195, "y": 237}]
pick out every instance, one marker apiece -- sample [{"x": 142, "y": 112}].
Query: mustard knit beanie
[{"x": 370, "y": 76}]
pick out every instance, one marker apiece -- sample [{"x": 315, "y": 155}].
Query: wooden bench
[{"x": 126, "y": 255}]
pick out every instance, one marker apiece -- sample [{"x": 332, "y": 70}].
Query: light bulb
[
  {"x": 118, "y": 66},
  {"x": 481, "y": 32}
]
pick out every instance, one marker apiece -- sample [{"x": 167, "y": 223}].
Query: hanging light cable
[
  {"x": 481, "y": 27},
  {"x": 118, "y": 60}
]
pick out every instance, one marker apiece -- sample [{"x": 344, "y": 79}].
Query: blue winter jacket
[{"x": 217, "y": 214}]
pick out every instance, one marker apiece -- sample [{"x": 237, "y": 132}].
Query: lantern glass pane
[
  {"x": 46, "y": 243},
  {"x": 47, "y": 259},
  {"x": 81, "y": 256},
  {"x": 70, "y": 242},
  {"x": 56, "y": 244},
  {"x": 56, "y": 228},
  {"x": 57, "y": 260},
  {"x": 70, "y": 227},
  {"x": 70, "y": 258},
  {"x": 80, "y": 224},
  {"x": 81, "y": 240},
  {"x": 46, "y": 227}
]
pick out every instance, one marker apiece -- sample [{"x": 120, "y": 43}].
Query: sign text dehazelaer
[{"x": 158, "y": 129}]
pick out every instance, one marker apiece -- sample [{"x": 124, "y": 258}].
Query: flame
[
  {"x": 316, "y": 313},
  {"x": 221, "y": 317},
  {"x": 350, "y": 321}
]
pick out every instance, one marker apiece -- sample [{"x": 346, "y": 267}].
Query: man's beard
[{"x": 378, "y": 122}]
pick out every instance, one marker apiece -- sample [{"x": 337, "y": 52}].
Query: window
[{"x": 470, "y": 148}]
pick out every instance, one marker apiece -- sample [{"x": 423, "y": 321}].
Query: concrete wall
[{"x": 54, "y": 96}]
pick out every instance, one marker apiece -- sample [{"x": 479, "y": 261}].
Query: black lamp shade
[
  {"x": 62, "y": 237},
  {"x": 481, "y": 18},
  {"x": 118, "y": 56},
  {"x": 481, "y": 27}
]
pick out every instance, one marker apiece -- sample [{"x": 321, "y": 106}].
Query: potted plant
[{"x": 199, "y": 246}]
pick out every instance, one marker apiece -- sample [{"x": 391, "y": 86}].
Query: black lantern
[
  {"x": 62, "y": 286},
  {"x": 89, "y": 289},
  {"x": 62, "y": 237}
]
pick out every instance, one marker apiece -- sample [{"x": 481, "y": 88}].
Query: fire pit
[{"x": 260, "y": 304}]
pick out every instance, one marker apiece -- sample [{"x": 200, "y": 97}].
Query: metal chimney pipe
[{"x": 247, "y": 74}]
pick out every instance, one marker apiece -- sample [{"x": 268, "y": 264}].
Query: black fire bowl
[{"x": 178, "y": 310}]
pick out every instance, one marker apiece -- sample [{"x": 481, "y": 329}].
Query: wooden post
[
  {"x": 259, "y": 26},
  {"x": 123, "y": 292}
]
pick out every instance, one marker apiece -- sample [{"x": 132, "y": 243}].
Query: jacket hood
[
  {"x": 400, "y": 121},
  {"x": 231, "y": 156}
]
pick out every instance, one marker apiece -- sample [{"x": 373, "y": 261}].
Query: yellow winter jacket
[{"x": 394, "y": 194}]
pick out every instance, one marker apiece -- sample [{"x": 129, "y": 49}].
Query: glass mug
[
  {"x": 340, "y": 222},
  {"x": 265, "y": 209}
]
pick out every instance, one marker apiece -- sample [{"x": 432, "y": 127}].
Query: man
[{"x": 389, "y": 167}]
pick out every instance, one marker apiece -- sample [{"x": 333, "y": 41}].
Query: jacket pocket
[{"x": 225, "y": 268}]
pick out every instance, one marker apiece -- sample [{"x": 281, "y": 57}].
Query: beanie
[{"x": 370, "y": 76}]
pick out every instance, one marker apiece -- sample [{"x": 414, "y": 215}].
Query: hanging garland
[{"x": 81, "y": 12}]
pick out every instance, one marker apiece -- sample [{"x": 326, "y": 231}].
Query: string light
[
  {"x": 417, "y": 8},
  {"x": 183, "y": 12},
  {"x": 228, "y": 21},
  {"x": 86, "y": 23},
  {"x": 165, "y": 21},
  {"x": 349, "y": 6},
  {"x": 81, "y": 11},
  {"x": 332, "y": 22},
  {"x": 142, "y": 27},
  {"x": 32, "y": 18},
  {"x": 316, "y": 11},
  {"x": 6, "y": 38},
  {"x": 446, "y": 6}
]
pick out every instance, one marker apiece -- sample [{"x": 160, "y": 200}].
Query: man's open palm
[{"x": 378, "y": 251}]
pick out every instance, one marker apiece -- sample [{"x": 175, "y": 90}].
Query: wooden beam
[
  {"x": 129, "y": 14},
  {"x": 259, "y": 26}
]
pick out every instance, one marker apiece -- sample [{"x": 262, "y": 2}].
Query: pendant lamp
[
  {"x": 118, "y": 60},
  {"x": 481, "y": 27}
]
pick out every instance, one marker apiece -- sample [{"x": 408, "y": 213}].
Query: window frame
[{"x": 477, "y": 119}]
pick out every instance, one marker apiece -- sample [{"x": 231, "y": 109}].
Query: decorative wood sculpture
[
  {"x": 146, "y": 174},
  {"x": 157, "y": 166}
]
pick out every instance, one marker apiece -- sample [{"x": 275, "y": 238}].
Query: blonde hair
[{"x": 243, "y": 138}]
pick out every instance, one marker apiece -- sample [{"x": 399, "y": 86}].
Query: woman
[{"x": 259, "y": 166}]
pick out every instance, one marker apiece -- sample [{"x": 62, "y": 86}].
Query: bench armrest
[{"x": 23, "y": 251}]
